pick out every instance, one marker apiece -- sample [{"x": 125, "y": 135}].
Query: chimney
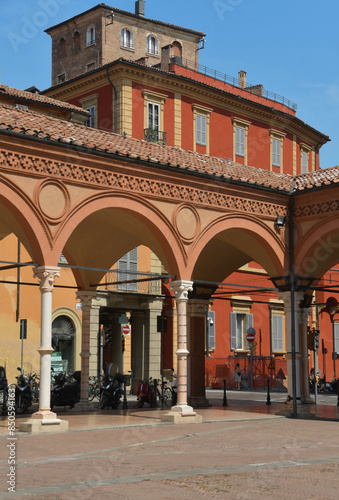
[
  {"x": 165, "y": 57},
  {"x": 140, "y": 8},
  {"x": 242, "y": 79}
]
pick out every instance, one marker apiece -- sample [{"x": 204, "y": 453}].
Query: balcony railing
[
  {"x": 131, "y": 282},
  {"x": 152, "y": 135},
  {"x": 217, "y": 75}
]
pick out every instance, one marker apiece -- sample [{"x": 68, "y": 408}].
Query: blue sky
[{"x": 289, "y": 46}]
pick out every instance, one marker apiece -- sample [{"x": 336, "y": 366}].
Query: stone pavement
[{"x": 241, "y": 451}]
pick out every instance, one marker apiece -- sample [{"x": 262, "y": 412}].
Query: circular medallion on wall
[
  {"x": 187, "y": 222},
  {"x": 53, "y": 199}
]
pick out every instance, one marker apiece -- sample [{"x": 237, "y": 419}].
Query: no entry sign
[
  {"x": 250, "y": 335},
  {"x": 126, "y": 329}
]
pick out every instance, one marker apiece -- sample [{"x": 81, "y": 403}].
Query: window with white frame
[
  {"x": 153, "y": 116},
  {"x": 90, "y": 36},
  {"x": 336, "y": 337},
  {"x": 200, "y": 129},
  {"x": 240, "y": 323},
  {"x": 90, "y": 122},
  {"x": 152, "y": 46},
  {"x": 276, "y": 152},
  {"x": 128, "y": 271},
  {"x": 240, "y": 135},
  {"x": 127, "y": 39},
  {"x": 210, "y": 330},
  {"x": 277, "y": 332},
  {"x": 304, "y": 162}
]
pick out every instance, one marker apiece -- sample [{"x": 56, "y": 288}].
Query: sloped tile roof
[
  {"x": 29, "y": 123},
  {"x": 27, "y": 97}
]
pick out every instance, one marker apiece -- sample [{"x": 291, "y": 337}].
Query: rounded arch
[
  {"x": 127, "y": 38},
  {"x": 62, "y": 47},
  {"x": 69, "y": 313},
  {"x": 319, "y": 249},
  {"x": 20, "y": 216},
  {"x": 177, "y": 48},
  {"x": 76, "y": 41},
  {"x": 110, "y": 224},
  {"x": 229, "y": 242}
]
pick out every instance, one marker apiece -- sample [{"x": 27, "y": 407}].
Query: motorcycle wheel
[
  {"x": 141, "y": 402},
  {"x": 21, "y": 405},
  {"x": 102, "y": 401},
  {"x": 91, "y": 392}
]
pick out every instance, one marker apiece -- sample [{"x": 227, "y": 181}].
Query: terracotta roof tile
[
  {"x": 23, "y": 122},
  {"x": 25, "y": 96}
]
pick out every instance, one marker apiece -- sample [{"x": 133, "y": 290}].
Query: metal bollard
[
  {"x": 268, "y": 401},
  {"x": 338, "y": 397},
  {"x": 224, "y": 403},
  {"x": 155, "y": 392}
]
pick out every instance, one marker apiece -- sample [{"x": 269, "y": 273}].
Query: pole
[
  {"x": 292, "y": 285},
  {"x": 251, "y": 366},
  {"x": 224, "y": 403},
  {"x": 315, "y": 377},
  {"x": 268, "y": 400}
]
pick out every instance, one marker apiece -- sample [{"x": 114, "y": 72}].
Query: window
[
  {"x": 127, "y": 40},
  {"x": 61, "y": 78},
  {"x": 240, "y": 132},
  {"x": 276, "y": 152},
  {"x": 90, "y": 36},
  {"x": 201, "y": 121},
  {"x": 153, "y": 114},
  {"x": 90, "y": 122},
  {"x": 304, "y": 162},
  {"x": 90, "y": 66},
  {"x": 277, "y": 332},
  {"x": 277, "y": 149},
  {"x": 210, "y": 330},
  {"x": 336, "y": 337},
  {"x": 128, "y": 270},
  {"x": 201, "y": 126},
  {"x": 152, "y": 46},
  {"x": 177, "y": 49},
  {"x": 240, "y": 323},
  {"x": 76, "y": 41},
  {"x": 239, "y": 141},
  {"x": 90, "y": 103},
  {"x": 154, "y": 104}
]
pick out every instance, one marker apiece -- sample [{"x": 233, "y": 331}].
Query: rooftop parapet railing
[
  {"x": 222, "y": 77},
  {"x": 131, "y": 282}
]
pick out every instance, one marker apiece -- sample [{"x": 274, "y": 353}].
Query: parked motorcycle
[
  {"x": 65, "y": 392},
  {"x": 23, "y": 395},
  {"x": 145, "y": 394},
  {"x": 111, "y": 391},
  {"x": 3, "y": 389},
  {"x": 174, "y": 390}
]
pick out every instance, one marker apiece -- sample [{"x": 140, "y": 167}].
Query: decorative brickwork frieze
[
  {"x": 314, "y": 209},
  {"x": 82, "y": 174}
]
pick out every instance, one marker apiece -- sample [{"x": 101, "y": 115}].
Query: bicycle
[
  {"x": 164, "y": 394},
  {"x": 94, "y": 388}
]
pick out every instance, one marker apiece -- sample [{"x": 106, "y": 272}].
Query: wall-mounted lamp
[{"x": 281, "y": 221}]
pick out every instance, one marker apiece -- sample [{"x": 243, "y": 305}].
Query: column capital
[
  {"x": 86, "y": 297},
  {"x": 286, "y": 298},
  {"x": 181, "y": 289},
  {"x": 46, "y": 276}
]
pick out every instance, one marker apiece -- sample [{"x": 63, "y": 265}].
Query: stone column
[
  {"x": 197, "y": 310},
  {"x": 181, "y": 289},
  {"x": 87, "y": 306},
  {"x": 46, "y": 276},
  {"x": 286, "y": 297},
  {"x": 304, "y": 383},
  {"x": 138, "y": 342}
]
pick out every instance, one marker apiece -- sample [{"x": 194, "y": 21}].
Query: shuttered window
[
  {"x": 240, "y": 323},
  {"x": 336, "y": 337},
  {"x": 240, "y": 134},
  {"x": 201, "y": 129},
  {"x": 277, "y": 332},
  {"x": 304, "y": 162},
  {"x": 210, "y": 325},
  {"x": 276, "y": 152},
  {"x": 128, "y": 270}
]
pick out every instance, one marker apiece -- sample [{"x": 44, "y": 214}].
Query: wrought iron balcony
[{"x": 152, "y": 135}]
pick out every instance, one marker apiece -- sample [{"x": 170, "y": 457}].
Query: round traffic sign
[
  {"x": 250, "y": 335},
  {"x": 126, "y": 329}
]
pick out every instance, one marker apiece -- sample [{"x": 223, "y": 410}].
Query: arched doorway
[{"x": 63, "y": 333}]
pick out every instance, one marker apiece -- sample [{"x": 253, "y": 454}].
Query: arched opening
[
  {"x": 63, "y": 333},
  {"x": 177, "y": 49},
  {"x": 62, "y": 44},
  {"x": 76, "y": 41}
]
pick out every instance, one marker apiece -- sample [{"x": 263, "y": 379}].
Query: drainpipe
[
  {"x": 292, "y": 283},
  {"x": 115, "y": 101}
]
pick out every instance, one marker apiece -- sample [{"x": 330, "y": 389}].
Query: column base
[
  {"x": 40, "y": 426},
  {"x": 182, "y": 414},
  {"x": 85, "y": 405}
]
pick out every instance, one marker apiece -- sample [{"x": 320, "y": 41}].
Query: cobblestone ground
[{"x": 280, "y": 458}]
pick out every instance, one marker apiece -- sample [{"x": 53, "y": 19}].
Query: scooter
[
  {"x": 3, "y": 390},
  {"x": 111, "y": 391},
  {"x": 145, "y": 394},
  {"x": 23, "y": 395},
  {"x": 65, "y": 393},
  {"x": 174, "y": 390}
]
